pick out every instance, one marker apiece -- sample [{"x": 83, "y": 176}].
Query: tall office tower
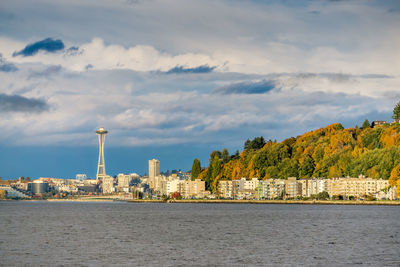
[
  {"x": 154, "y": 170},
  {"x": 101, "y": 167}
]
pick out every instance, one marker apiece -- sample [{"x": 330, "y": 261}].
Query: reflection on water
[{"x": 92, "y": 234}]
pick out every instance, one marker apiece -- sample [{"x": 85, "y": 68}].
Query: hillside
[{"x": 327, "y": 152}]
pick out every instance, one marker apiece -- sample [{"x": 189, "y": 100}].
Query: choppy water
[{"x": 93, "y": 234}]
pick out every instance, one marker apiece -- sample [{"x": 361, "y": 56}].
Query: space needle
[{"x": 101, "y": 167}]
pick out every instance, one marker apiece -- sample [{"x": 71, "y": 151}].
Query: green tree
[
  {"x": 256, "y": 143},
  {"x": 225, "y": 156},
  {"x": 196, "y": 169},
  {"x": 366, "y": 125},
  {"x": 396, "y": 112},
  {"x": 215, "y": 167}
]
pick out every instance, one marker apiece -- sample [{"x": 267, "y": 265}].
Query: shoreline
[
  {"x": 297, "y": 202},
  {"x": 228, "y": 201}
]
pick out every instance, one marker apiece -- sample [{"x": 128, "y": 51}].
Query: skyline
[{"x": 176, "y": 80}]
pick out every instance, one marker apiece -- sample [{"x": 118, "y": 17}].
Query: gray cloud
[
  {"x": 17, "y": 103},
  {"x": 48, "y": 71},
  {"x": 246, "y": 88},
  {"x": 6, "y": 66}
]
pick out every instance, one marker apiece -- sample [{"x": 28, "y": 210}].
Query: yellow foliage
[
  {"x": 398, "y": 188},
  {"x": 395, "y": 175},
  {"x": 334, "y": 172},
  {"x": 373, "y": 172},
  {"x": 390, "y": 137}
]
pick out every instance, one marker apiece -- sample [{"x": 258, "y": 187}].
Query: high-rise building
[
  {"x": 154, "y": 170},
  {"x": 101, "y": 166}
]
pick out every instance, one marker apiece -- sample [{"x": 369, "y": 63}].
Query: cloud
[
  {"x": 5, "y": 66},
  {"x": 199, "y": 69},
  {"x": 17, "y": 103},
  {"x": 246, "y": 88},
  {"x": 48, "y": 45},
  {"x": 8, "y": 67}
]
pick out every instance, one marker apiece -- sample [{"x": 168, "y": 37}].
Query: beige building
[
  {"x": 154, "y": 171},
  {"x": 225, "y": 189},
  {"x": 189, "y": 188},
  {"x": 244, "y": 189},
  {"x": 356, "y": 187},
  {"x": 108, "y": 185},
  {"x": 292, "y": 188},
  {"x": 124, "y": 180}
]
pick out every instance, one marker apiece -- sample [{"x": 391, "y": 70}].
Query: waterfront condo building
[
  {"x": 292, "y": 188},
  {"x": 270, "y": 189},
  {"x": 356, "y": 187},
  {"x": 225, "y": 189}
]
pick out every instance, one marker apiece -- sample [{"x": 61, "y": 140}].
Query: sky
[{"x": 177, "y": 79}]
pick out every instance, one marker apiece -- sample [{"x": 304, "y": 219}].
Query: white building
[{"x": 108, "y": 185}]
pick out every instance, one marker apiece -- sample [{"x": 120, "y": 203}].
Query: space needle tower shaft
[{"x": 101, "y": 167}]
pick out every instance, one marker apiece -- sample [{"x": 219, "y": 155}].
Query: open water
[{"x": 150, "y": 234}]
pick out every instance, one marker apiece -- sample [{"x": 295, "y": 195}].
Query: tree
[
  {"x": 215, "y": 167},
  {"x": 256, "y": 143},
  {"x": 396, "y": 112},
  {"x": 214, "y": 154},
  {"x": 176, "y": 195},
  {"x": 225, "y": 156},
  {"x": 366, "y": 125},
  {"x": 196, "y": 169},
  {"x": 395, "y": 175},
  {"x": 236, "y": 155}
]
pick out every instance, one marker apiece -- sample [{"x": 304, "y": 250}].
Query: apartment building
[
  {"x": 225, "y": 189},
  {"x": 292, "y": 187},
  {"x": 356, "y": 187},
  {"x": 270, "y": 189}
]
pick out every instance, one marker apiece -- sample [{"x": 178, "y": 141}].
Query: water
[{"x": 137, "y": 234}]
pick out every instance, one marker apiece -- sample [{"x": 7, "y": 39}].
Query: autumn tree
[{"x": 196, "y": 169}]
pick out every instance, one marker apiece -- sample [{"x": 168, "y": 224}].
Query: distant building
[
  {"x": 81, "y": 177},
  {"x": 108, "y": 184},
  {"x": 356, "y": 187},
  {"x": 292, "y": 188},
  {"x": 271, "y": 189},
  {"x": 38, "y": 187},
  {"x": 225, "y": 189},
  {"x": 154, "y": 171},
  {"x": 189, "y": 188},
  {"x": 124, "y": 180},
  {"x": 378, "y": 123}
]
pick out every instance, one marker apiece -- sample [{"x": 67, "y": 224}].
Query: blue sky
[{"x": 175, "y": 80}]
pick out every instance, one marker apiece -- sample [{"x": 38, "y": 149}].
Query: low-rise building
[
  {"x": 292, "y": 188},
  {"x": 271, "y": 189},
  {"x": 225, "y": 189},
  {"x": 356, "y": 187}
]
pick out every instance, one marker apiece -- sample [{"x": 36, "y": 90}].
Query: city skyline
[{"x": 176, "y": 80}]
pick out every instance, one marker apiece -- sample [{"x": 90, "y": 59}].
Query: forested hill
[{"x": 327, "y": 152}]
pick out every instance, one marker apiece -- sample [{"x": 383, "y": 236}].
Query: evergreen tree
[
  {"x": 366, "y": 125},
  {"x": 215, "y": 167},
  {"x": 396, "y": 112},
  {"x": 225, "y": 156},
  {"x": 196, "y": 169}
]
